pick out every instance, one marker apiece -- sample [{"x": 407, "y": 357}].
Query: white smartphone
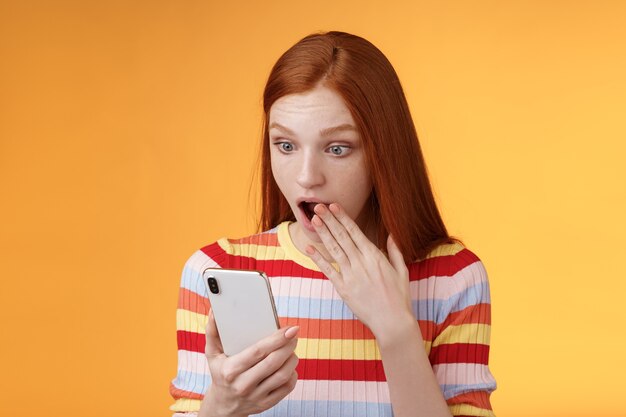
[{"x": 243, "y": 306}]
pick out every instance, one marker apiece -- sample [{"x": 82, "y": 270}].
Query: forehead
[{"x": 320, "y": 105}]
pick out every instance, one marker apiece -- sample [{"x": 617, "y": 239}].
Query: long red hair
[{"x": 402, "y": 197}]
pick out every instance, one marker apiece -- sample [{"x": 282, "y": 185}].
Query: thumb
[{"x": 213, "y": 345}]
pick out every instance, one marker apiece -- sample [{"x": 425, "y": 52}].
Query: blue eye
[
  {"x": 286, "y": 146},
  {"x": 338, "y": 150}
]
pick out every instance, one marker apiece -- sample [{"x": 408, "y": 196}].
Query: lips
[{"x": 307, "y": 205}]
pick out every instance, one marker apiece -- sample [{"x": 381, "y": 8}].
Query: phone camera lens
[{"x": 213, "y": 285}]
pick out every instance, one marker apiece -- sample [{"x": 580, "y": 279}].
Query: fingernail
[
  {"x": 320, "y": 208},
  {"x": 291, "y": 332}
]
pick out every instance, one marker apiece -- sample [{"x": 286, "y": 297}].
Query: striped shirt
[{"x": 340, "y": 372}]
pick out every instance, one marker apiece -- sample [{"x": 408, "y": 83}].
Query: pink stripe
[
  {"x": 462, "y": 373},
  {"x": 303, "y": 287},
  {"x": 305, "y": 390},
  {"x": 323, "y": 390},
  {"x": 192, "y": 362},
  {"x": 442, "y": 288},
  {"x": 426, "y": 289}
]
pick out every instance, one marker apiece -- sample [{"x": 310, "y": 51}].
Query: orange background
[{"x": 128, "y": 132}]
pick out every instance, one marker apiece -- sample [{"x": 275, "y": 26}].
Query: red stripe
[
  {"x": 177, "y": 393},
  {"x": 328, "y": 369},
  {"x": 262, "y": 239},
  {"x": 328, "y": 328},
  {"x": 341, "y": 370},
  {"x": 191, "y": 301},
  {"x": 447, "y": 265},
  {"x": 479, "y": 399},
  {"x": 194, "y": 342},
  {"x": 272, "y": 267},
  {"x": 476, "y": 313},
  {"x": 459, "y": 353}
]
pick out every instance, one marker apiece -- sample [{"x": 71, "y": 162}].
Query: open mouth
[{"x": 307, "y": 207}]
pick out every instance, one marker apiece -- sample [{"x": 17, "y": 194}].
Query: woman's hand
[
  {"x": 375, "y": 288},
  {"x": 253, "y": 380}
]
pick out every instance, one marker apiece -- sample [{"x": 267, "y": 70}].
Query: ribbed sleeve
[{"x": 340, "y": 371}]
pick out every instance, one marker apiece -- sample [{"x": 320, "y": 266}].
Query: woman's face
[{"x": 317, "y": 156}]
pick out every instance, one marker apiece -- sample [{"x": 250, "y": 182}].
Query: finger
[
  {"x": 252, "y": 355},
  {"x": 213, "y": 342},
  {"x": 395, "y": 256},
  {"x": 332, "y": 246},
  {"x": 269, "y": 365},
  {"x": 361, "y": 241},
  {"x": 339, "y": 232},
  {"x": 326, "y": 267},
  {"x": 280, "y": 377},
  {"x": 281, "y": 392}
]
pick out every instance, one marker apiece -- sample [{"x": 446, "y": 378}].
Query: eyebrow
[{"x": 324, "y": 132}]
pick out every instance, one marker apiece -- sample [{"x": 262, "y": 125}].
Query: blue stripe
[
  {"x": 328, "y": 408},
  {"x": 191, "y": 381},
  {"x": 476, "y": 294},
  {"x": 312, "y": 308},
  {"x": 335, "y": 309},
  {"x": 192, "y": 276},
  {"x": 450, "y": 391}
]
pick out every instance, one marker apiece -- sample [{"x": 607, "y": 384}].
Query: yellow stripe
[
  {"x": 191, "y": 322},
  {"x": 290, "y": 249},
  {"x": 358, "y": 349},
  {"x": 469, "y": 410},
  {"x": 259, "y": 252},
  {"x": 466, "y": 333},
  {"x": 445, "y": 250},
  {"x": 265, "y": 253},
  {"x": 185, "y": 404}
]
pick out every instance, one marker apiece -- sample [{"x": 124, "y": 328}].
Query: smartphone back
[{"x": 243, "y": 307}]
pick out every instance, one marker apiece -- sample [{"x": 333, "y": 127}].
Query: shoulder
[
  {"x": 451, "y": 271},
  {"x": 225, "y": 250},
  {"x": 446, "y": 260},
  {"x": 452, "y": 278}
]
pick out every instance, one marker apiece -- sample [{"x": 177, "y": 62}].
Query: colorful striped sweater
[{"x": 340, "y": 371}]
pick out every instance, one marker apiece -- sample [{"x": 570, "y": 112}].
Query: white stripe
[
  {"x": 306, "y": 390},
  {"x": 303, "y": 288},
  {"x": 193, "y": 362},
  {"x": 463, "y": 374},
  {"x": 432, "y": 288},
  {"x": 442, "y": 288},
  {"x": 349, "y": 391}
]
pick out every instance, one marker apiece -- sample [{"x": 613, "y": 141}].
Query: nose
[{"x": 310, "y": 174}]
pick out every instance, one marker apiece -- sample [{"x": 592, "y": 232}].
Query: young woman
[{"x": 383, "y": 313}]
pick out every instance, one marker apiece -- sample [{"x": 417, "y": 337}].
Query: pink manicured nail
[{"x": 291, "y": 332}]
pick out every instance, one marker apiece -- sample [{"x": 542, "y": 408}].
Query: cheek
[
  {"x": 280, "y": 172},
  {"x": 275, "y": 168},
  {"x": 356, "y": 191}
]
